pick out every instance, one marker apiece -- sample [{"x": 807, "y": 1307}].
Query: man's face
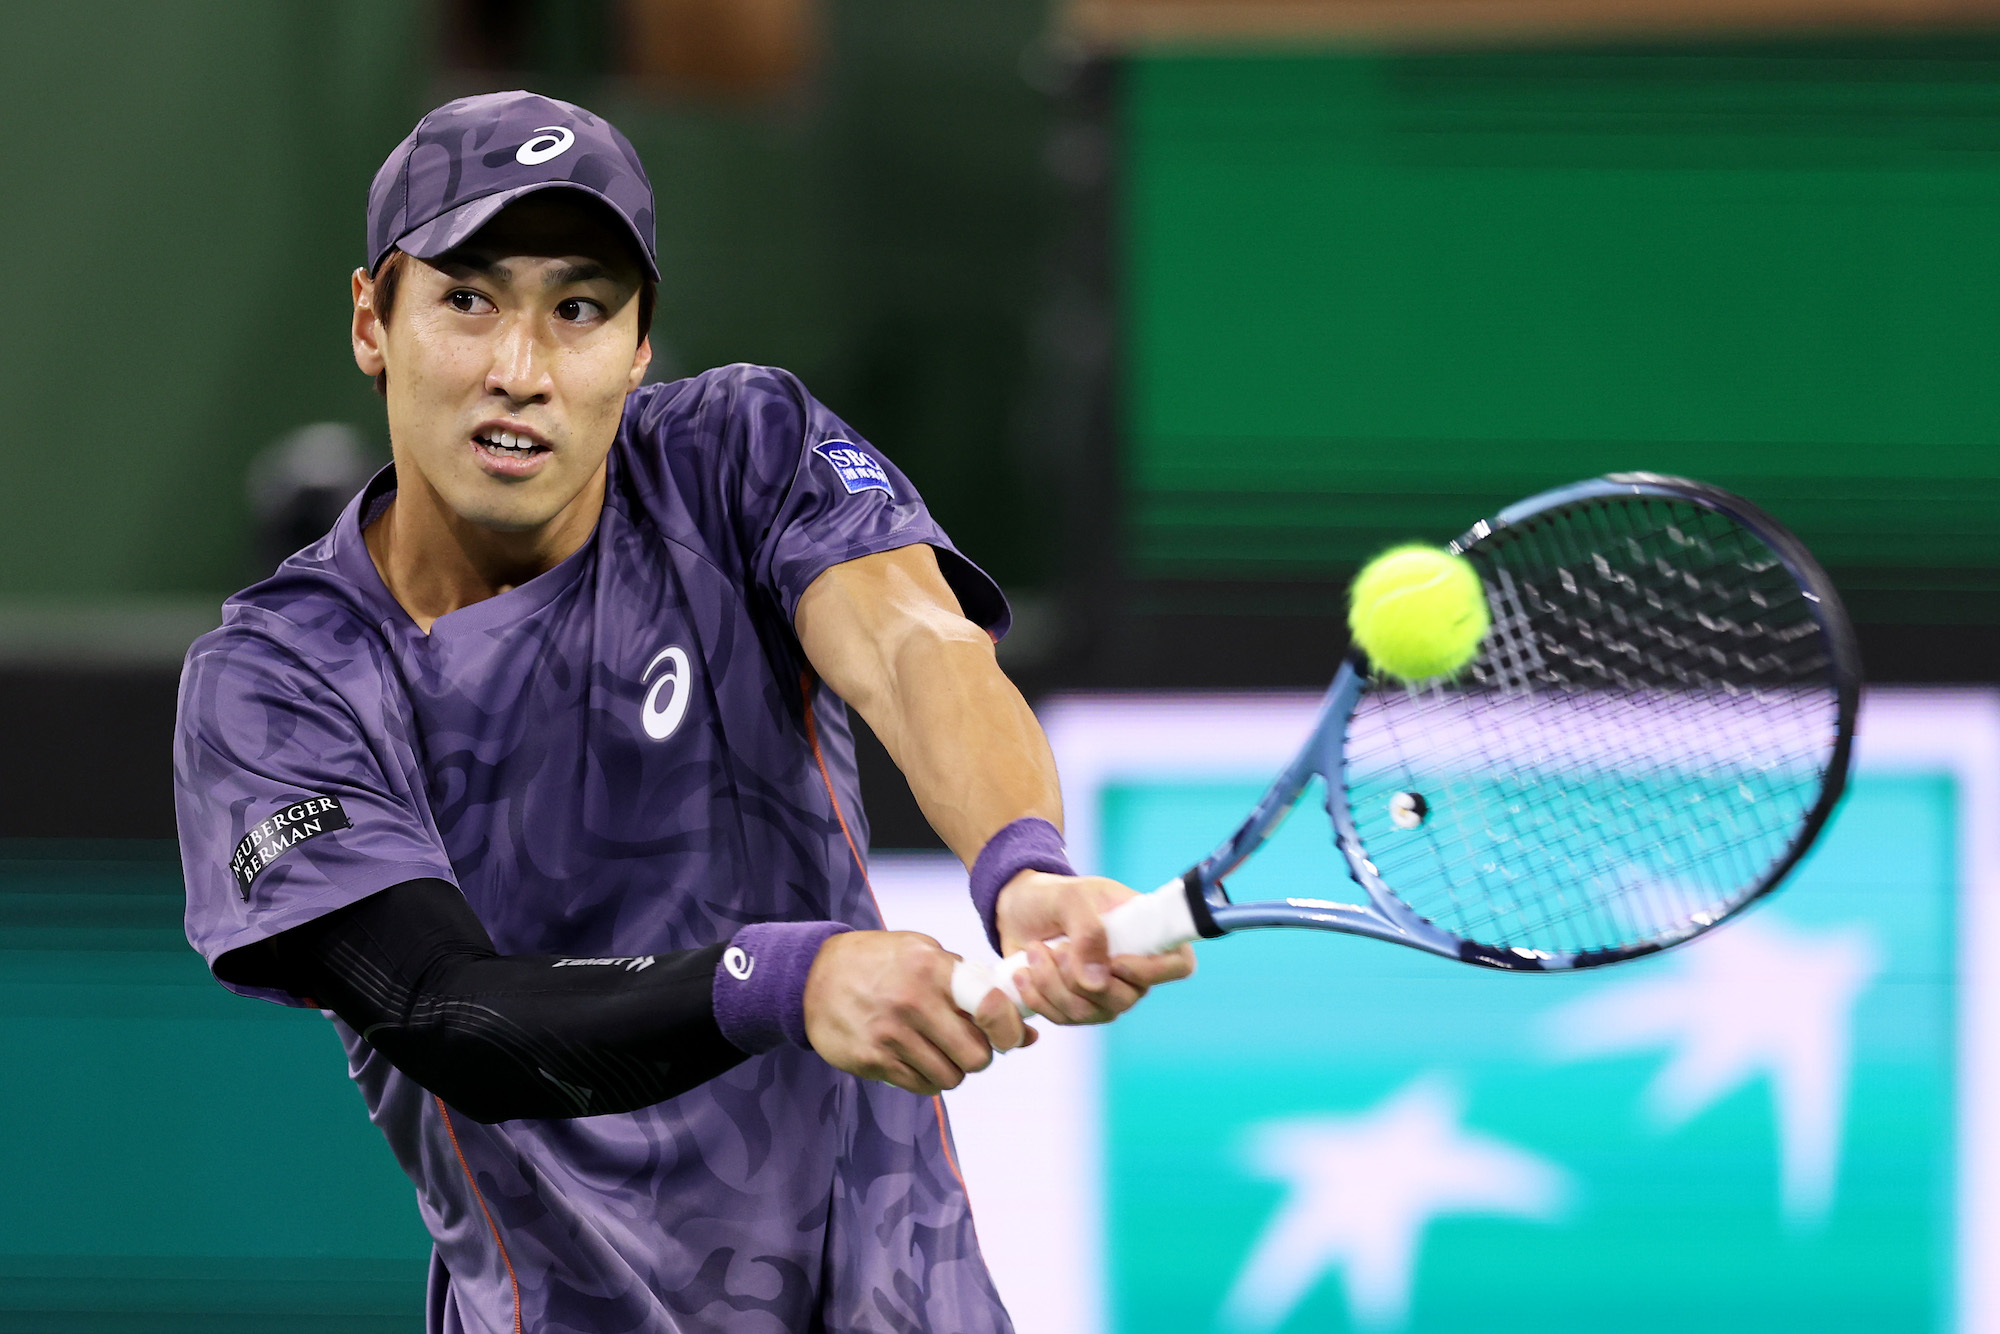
[{"x": 509, "y": 360}]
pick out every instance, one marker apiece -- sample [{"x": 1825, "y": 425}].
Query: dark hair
[{"x": 389, "y": 277}]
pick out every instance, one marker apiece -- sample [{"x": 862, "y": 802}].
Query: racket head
[{"x": 1655, "y": 730}]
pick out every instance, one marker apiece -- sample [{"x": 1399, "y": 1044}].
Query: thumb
[
  {"x": 1087, "y": 958},
  {"x": 1025, "y": 912}
]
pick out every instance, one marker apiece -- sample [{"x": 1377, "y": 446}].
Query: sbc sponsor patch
[
  {"x": 858, "y": 471},
  {"x": 307, "y": 817}
]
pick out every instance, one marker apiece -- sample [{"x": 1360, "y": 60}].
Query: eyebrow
[{"x": 588, "y": 271}]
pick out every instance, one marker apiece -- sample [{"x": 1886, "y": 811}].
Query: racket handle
[
  {"x": 1148, "y": 924},
  {"x": 1152, "y": 923},
  {"x": 970, "y": 982}
]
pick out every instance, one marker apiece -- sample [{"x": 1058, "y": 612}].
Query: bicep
[{"x": 855, "y": 618}]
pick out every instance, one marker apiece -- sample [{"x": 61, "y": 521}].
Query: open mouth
[
  {"x": 505, "y": 453},
  {"x": 509, "y": 444}
]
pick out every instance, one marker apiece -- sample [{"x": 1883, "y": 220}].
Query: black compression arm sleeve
[{"x": 505, "y": 1036}]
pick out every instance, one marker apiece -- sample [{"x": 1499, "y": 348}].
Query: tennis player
[{"x": 536, "y": 773}]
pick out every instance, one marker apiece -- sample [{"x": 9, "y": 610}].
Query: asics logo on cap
[
  {"x": 549, "y": 141},
  {"x": 738, "y": 963}
]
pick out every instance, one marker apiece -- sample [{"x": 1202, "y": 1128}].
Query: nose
[{"x": 520, "y": 372}]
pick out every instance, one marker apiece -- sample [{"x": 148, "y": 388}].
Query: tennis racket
[{"x": 1656, "y": 727}]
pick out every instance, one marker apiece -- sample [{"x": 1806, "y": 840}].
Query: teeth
[{"x": 510, "y": 441}]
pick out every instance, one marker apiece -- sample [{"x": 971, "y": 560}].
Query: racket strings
[
  {"x": 1663, "y": 882},
  {"x": 1648, "y": 724}
]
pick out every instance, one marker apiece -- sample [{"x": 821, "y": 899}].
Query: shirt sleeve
[
  {"x": 815, "y": 494},
  {"x": 288, "y": 807}
]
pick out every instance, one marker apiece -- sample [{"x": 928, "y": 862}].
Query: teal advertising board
[
  {"x": 1333, "y": 1134},
  {"x": 1778, "y": 1126},
  {"x": 177, "y": 1158}
]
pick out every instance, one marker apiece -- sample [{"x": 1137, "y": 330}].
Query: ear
[
  {"x": 367, "y": 331},
  {"x": 641, "y": 359}
]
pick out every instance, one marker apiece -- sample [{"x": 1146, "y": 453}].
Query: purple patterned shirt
[{"x": 623, "y": 756}]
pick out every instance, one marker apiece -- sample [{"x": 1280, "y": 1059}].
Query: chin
[
  {"x": 510, "y": 520},
  {"x": 506, "y": 513}
]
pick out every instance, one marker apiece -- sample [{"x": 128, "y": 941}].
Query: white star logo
[
  {"x": 1756, "y": 998},
  {"x": 1363, "y": 1189}
]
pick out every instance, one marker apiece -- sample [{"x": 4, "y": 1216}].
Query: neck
[{"x": 433, "y": 561}]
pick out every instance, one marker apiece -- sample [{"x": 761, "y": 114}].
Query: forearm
[
  {"x": 501, "y": 1037},
  {"x": 972, "y": 750},
  {"x": 886, "y": 632},
  {"x": 976, "y": 759},
  {"x": 498, "y": 1042}
]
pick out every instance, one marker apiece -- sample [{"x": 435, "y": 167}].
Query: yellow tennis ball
[{"x": 1418, "y": 612}]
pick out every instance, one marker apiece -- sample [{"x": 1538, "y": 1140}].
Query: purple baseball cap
[{"x": 471, "y": 158}]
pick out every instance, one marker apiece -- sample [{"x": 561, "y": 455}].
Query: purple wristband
[
  {"x": 1025, "y": 845},
  {"x": 760, "y": 983}
]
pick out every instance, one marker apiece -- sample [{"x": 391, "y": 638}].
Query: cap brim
[{"x": 454, "y": 227}]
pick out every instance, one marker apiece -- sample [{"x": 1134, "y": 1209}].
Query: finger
[
  {"x": 1117, "y": 997},
  {"x": 1034, "y": 1035},
  {"x": 921, "y": 1055},
  {"x": 1087, "y": 956},
  {"x": 903, "y": 1076},
  {"x": 1149, "y": 970},
  {"x": 1001, "y": 1022},
  {"x": 1031, "y": 995},
  {"x": 1029, "y": 983},
  {"x": 1054, "y": 997},
  {"x": 962, "y": 1041},
  {"x": 1042, "y": 988},
  {"x": 1078, "y": 1007},
  {"x": 906, "y": 1076}
]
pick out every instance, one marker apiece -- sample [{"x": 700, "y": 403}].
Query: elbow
[
  {"x": 488, "y": 1111},
  {"x": 479, "y": 1080},
  {"x": 941, "y": 647},
  {"x": 489, "y": 1102},
  {"x": 492, "y": 1090}
]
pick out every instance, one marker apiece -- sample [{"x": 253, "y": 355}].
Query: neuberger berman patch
[{"x": 308, "y": 817}]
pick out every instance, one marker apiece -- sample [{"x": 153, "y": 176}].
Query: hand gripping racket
[{"x": 1655, "y": 729}]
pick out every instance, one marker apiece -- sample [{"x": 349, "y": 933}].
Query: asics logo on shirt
[
  {"x": 667, "y": 697},
  {"x": 549, "y": 141},
  {"x": 738, "y": 963}
]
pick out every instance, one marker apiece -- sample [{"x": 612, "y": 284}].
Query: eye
[
  {"x": 578, "y": 310},
  {"x": 468, "y": 302}
]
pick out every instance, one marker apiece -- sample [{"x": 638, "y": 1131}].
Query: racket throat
[{"x": 1200, "y": 911}]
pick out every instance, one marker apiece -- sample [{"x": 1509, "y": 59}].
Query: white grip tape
[
  {"x": 1149, "y": 924},
  {"x": 971, "y": 981}
]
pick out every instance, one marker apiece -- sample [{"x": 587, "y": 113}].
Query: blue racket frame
[{"x": 1386, "y": 917}]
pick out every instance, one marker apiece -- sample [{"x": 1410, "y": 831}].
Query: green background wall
[
  {"x": 1375, "y": 296},
  {"x": 183, "y": 202},
  {"x": 180, "y": 208}
]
